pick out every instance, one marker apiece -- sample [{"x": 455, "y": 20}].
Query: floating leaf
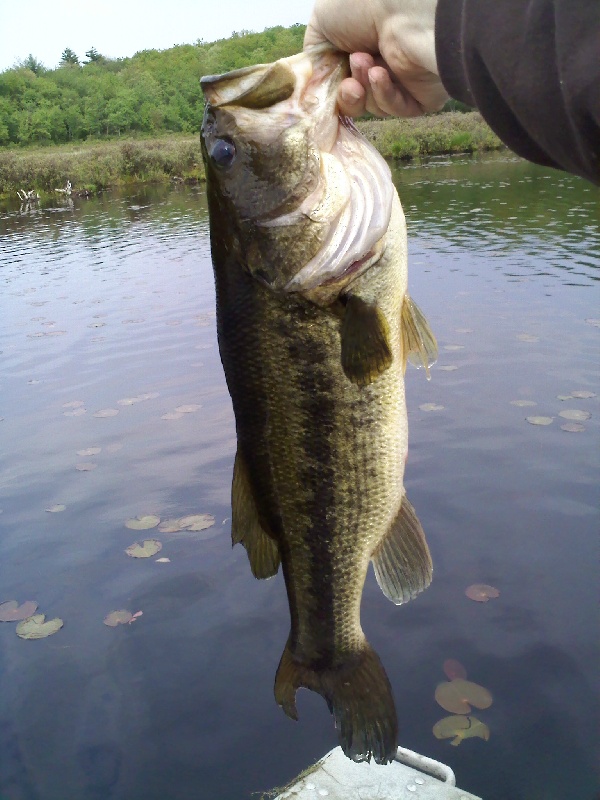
[
  {"x": 89, "y": 451},
  {"x": 459, "y": 728},
  {"x": 170, "y": 526},
  {"x": 118, "y": 618},
  {"x": 188, "y": 409},
  {"x": 452, "y": 347},
  {"x": 56, "y": 508},
  {"x": 129, "y": 401},
  {"x": 572, "y": 427},
  {"x": 583, "y": 394},
  {"x": 149, "y": 396},
  {"x": 481, "y": 592},
  {"x": 11, "y": 611},
  {"x": 453, "y": 669},
  {"x": 73, "y": 404},
  {"x": 86, "y": 466},
  {"x": 143, "y": 523},
  {"x": 197, "y": 522},
  {"x": 527, "y": 337},
  {"x": 594, "y": 322},
  {"x": 449, "y": 727},
  {"x": 523, "y": 403},
  {"x": 574, "y": 414},
  {"x": 430, "y": 407},
  {"x": 457, "y": 696},
  {"x": 564, "y": 397},
  {"x": 35, "y": 627},
  {"x": 106, "y": 412},
  {"x": 148, "y": 548},
  {"x": 76, "y": 412},
  {"x": 448, "y": 368},
  {"x": 539, "y": 420},
  {"x": 163, "y": 560},
  {"x": 172, "y": 415}
]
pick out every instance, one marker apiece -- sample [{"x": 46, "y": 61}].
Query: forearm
[{"x": 532, "y": 68}]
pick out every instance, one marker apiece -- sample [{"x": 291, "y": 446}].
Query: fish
[{"x": 315, "y": 327}]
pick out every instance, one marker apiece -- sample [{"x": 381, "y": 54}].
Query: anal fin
[
  {"x": 246, "y": 527},
  {"x": 419, "y": 345},
  {"x": 402, "y": 562},
  {"x": 366, "y": 350}
]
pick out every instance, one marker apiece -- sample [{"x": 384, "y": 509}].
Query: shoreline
[{"x": 93, "y": 166}]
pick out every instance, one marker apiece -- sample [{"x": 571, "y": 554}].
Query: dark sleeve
[{"x": 532, "y": 68}]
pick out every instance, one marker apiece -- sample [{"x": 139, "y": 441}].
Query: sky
[{"x": 119, "y": 28}]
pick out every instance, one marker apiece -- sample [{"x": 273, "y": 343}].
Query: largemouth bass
[{"x": 315, "y": 326}]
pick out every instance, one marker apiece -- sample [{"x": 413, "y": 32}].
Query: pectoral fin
[
  {"x": 366, "y": 350},
  {"x": 246, "y": 527},
  {"x": 402, "y": 562},
  {"x": 419, "y": 345}
]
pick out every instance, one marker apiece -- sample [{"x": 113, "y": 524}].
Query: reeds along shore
[{"x": 97, "y": 165}]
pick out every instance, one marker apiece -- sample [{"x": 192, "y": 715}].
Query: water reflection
[{"x": 181, "y": 702}]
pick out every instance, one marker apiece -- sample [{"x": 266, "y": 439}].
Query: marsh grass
[
  {"x": 93, "y": 166},
  {"x": 451, "y": 132}
]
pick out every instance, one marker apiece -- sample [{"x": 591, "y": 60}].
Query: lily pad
[
  {"x": 129, "y": 401},
  {"x": 149, "y": 396},
  {"x": 172, "y": 415},
  {"x": 458, "y": 728},
  {"x": 121, "y": 618},
  {"x": 453, "y": 347},
  {"x": 454, "y": 670},
  {"x": 163, "y": 560},
  {"x": 170, "y": 526},
  {"x": 118, "y": 618},
  {"x": 73, "y": 404},
  {"x": 86, "y": 466},
  {"x": 106, "y": 412},
  {"x": 539, "y": 420},
  {"x": 564, "y": 397},
  {"x": 457, "y": 696},
  {"x": 36, "y": 627},
  {"x": 188, "y": 409},
  {"x": 574, "y": 414},
  {"x": 594, "y": 322},
  {"x": 583, "y": 394},
  {"x": 197, "y": 522},
  {"x": 523, "y": 403},
  {"x": 56, "y": 508},
  {"x": 11, "y": 611},
  {"x": 430, "y": 407},
  {"x": 572, "y": 427},
  {"x": 76, "y": 412},
  {"x": 481, "y": 592},
  {"x": 89, "y": 451},
  {"x": 143, "y": 523},
  {"x": 448, "y": 368},
  {"x": 148, "y": 548}
]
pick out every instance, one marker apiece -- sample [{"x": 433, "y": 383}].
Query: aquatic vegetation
[
  {"x": 143, "y": 523},
  {"x": 458, "y": 695},
  {"x": 481, "y": 592},
  {"x": 37, "y": 627},
  {"x": 148, "y": 548},
  {"x": 121, "y": 617},
  {"x": 11, "y": 611},
  {"x": 56, "y": 508},
  {"x": 458, "y": 728},
  {"x": 575, "y": 414},
  {"x": 539, "y": 420},
  {"x": 453, "y": 669}
]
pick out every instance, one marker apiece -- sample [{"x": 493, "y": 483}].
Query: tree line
[{"x": 151, "y": 93}]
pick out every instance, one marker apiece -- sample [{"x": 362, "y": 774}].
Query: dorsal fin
[{"x": 251, "y": 87}]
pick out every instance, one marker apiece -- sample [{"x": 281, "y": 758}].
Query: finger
[
  {"x": 360, "y": 64},
  {"x": 313, "y": 34},
  {"x": 351, "y": 98},
  {"x": 388, "y": 97}
]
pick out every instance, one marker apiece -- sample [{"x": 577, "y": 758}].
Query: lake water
[{"x": 108, "y": 303}]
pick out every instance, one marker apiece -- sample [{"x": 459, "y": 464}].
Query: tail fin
[{"x": 359, "y": 696}]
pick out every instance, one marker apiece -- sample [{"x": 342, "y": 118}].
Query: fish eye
[{"x": 223, "y": 153}]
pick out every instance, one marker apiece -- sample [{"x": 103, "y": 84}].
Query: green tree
[
  {"x": 32, "y": 63},
  {"x": 69, "y": 58}
]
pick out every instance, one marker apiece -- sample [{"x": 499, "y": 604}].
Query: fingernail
[{"x": 350, "y": 97}]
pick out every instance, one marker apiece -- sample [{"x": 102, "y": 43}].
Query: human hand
[{"x": 392, "y": 54}]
